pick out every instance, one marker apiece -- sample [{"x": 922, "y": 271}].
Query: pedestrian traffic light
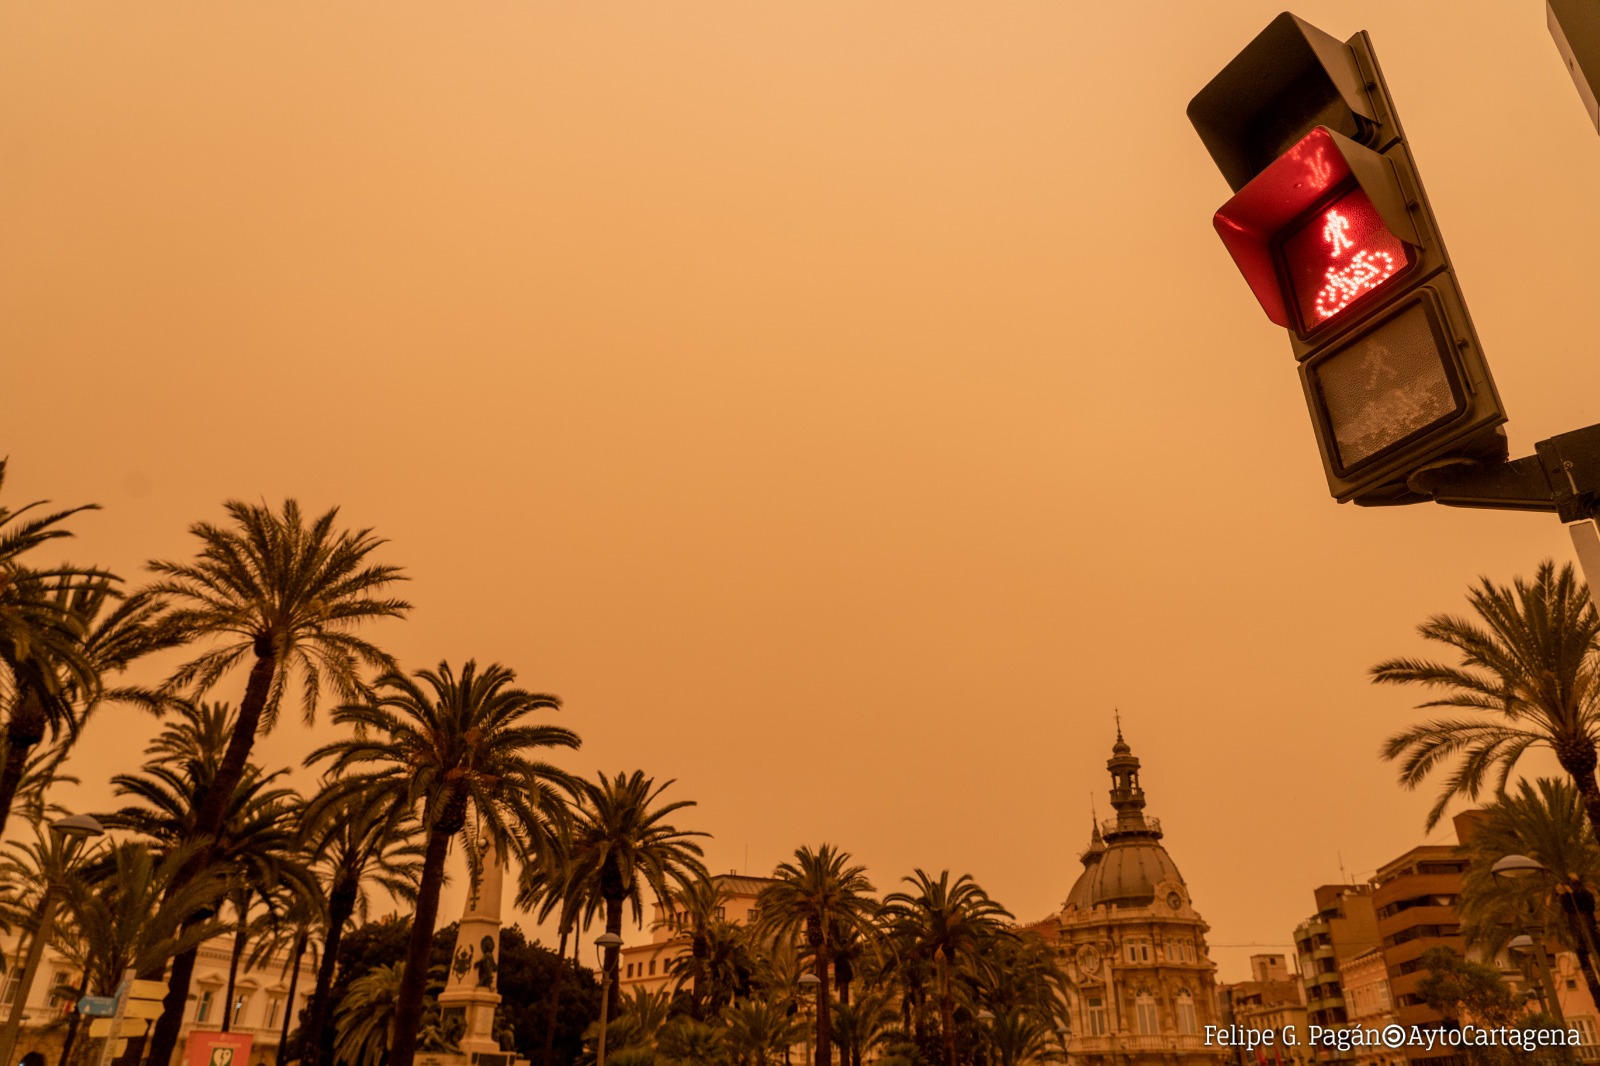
[{"x": 1332, "y": 231}]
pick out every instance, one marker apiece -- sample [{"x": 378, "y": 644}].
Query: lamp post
[
  {"x": 66, "y": 834},
  {"x": 985, "y": 1034},
  {"x": 1511, "y": 870},
  {"x": 808, "y": 986},
  {"x": 605, "y": 946}
]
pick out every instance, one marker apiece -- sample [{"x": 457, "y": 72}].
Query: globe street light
[
  {"x": 1511, "y": 870},
  {"x": 605, "y": 947},
  {"x": 66, "y": 834},
  {"x": 808, "y": 985}
]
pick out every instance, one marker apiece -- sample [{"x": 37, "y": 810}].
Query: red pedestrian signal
[{"x": 1331, "y": 229}]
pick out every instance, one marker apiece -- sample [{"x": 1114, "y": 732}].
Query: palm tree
[
  {"x": 40, "y": 643},
  {"x": 949, "y": 923},
  {"x": 1545, "y": 822},
  {"x": 255, "y": 847},
  {"x": 693, "y": 908},
  {"x": 286, "y": 596},
  {"x": 361, "y": 840},
  {"x": 760, "y": 1031},
  {"x": 128, "y": 914},
  {"x": 364, "y": 1025},
  {"x": 620, "y": 843},
  {"x": 860, "y": 1026},
  {"x": 456, "y": 750},
  {"x": 724, "y": 968},
  {"x": 552, "y": 886},
  {"x": 44, "y": 628},
  {"x": 813, "y": 896},
  {"x": 1021, "y": 1038},
  {"x": 1528, "y": 672}
]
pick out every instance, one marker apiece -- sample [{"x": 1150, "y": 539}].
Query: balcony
[
  {"x": 1108, "y": 1045},
  {"x": 1109, "y": 825}
]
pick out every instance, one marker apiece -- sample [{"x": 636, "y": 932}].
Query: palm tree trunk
[
  {"x": 611, "y": 976},
  {"x": 547, "y": 1056},
  {"x": 207, "y": 824},
  {"x": 341, "y": 905},
  {"x": 239, "y": 938},
  {"x": 947, "y": 1014},
  {"x": 301, "y": 938},
  {"x": 23, "y": 733},
  {"x": 824, "y": 999},
  {"x": 414, "y": 978}
]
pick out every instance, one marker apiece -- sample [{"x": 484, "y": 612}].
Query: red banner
[{"x": 218, "y": 1049}]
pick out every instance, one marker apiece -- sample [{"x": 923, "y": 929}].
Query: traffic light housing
[{"x": 1331, "y": 228}]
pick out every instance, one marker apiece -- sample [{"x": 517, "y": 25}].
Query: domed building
[{"x": 1145, "y": 988}]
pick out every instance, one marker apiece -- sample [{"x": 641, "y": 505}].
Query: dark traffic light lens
[{"x": 1388, "y": 384}]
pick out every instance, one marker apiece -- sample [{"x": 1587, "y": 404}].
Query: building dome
[
  {"x": 1125, "y": 875},
  {"x": 1124, "y": 866}
]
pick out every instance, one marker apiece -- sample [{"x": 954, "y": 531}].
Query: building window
[
  {"x": 1144, "y": 1007},
  {"x": 61, "y": 989},
  {"x": 630, "y": 969},
  {"x": 1097, "y": 1016},
  {"x": 274, "y": 1005},
  {"x": 202, "y": 1012},
  {"x": 239, "y": 1005},
  {"x": 652, "y": 967},
  {"x": 1188, "y": 1024},
  {"x": 1138, "y": 951},
  {"x": 1585, "y": 1027}
]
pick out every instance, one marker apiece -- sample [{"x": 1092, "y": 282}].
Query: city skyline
[{"x": 846, "y": 411}]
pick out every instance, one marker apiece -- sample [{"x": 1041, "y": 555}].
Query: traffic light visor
[{"x": 1318, "y": 230}]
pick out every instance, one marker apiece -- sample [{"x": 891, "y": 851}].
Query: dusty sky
[{"x": 843, "y": 406}]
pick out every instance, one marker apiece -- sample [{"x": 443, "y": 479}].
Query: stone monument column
[{"x": 471, "y": 985}]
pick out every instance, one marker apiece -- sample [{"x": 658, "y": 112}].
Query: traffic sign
[{"x": 97, "y": 1006}]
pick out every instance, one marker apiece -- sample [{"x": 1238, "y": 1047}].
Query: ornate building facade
[{"x": 1134, "y": 944}]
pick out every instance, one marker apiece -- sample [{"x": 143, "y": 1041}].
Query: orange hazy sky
[{"x": 844, "y": 406}]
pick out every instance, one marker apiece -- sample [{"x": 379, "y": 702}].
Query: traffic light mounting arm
[{"x": 1563, "y": 475}]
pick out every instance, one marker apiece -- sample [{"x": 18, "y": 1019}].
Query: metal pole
[
  {"x": 1586, "y": 542},
  {"x": 124, "y": 990},
  {"x": 19, "y": 1006},
  {"x": 1543, "y": 960},
  {"x": 605, "y": 1008}
]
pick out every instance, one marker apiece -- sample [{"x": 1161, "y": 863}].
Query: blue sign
[{"x": 97, "y": 1006}]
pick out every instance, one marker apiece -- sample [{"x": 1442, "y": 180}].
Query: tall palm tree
[
  {"x": 362, "y": 840},
  {"x": 39, "y": 641},
  {"x": 454, "y": 749},
  {"x": 553, "y": 886},
  {"x": 128, "y": 915},
  {"x": 948, "y": 922},
  {"x": 1545, "y": 822},
  {"x": 1528, "y": 674},
  {"x": 284, "y": 595},
  {"x": 255, "y": 846},
  {"x": 813, "y": 896},
  {"x": 621, "y": 843},
  {"x": 693, "y": 908},
  {"x": 55, "y": 659}
]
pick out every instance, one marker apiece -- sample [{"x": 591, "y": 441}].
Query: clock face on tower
[
  {"x": 1088, "y": 959},
  {"x": 1174, "y": 900}
]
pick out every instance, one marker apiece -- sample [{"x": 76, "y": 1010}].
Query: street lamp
[
  {"x": 605, "y": 947},
  {"x": 808, "y": 985},
  {"x": 67, "y": 834},
  {"x": 1511, "y": 870}
]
